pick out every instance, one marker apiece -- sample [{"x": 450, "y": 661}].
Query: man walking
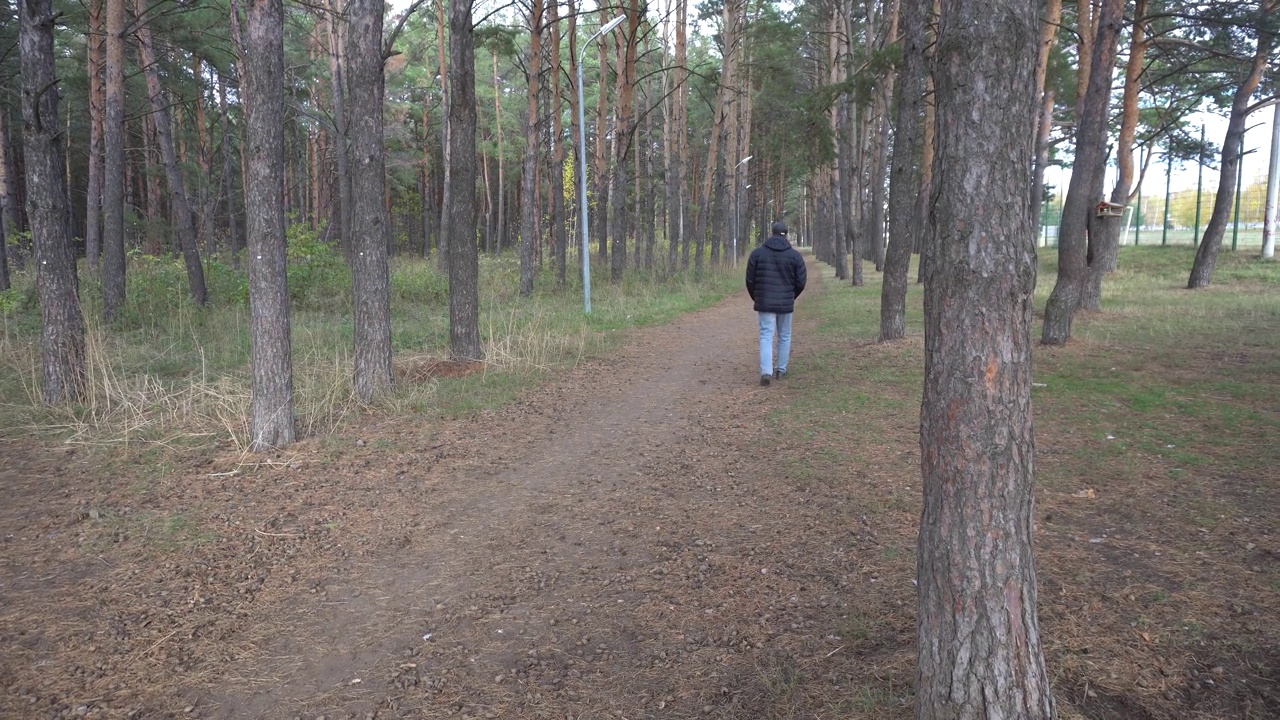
[{"x": 775, "y": 278}]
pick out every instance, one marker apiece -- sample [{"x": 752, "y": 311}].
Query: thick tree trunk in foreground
[
  {"x": 262, "y": 75},
  {"x": 371, "y": 278},
  {"x": 464, "y": 262},
  {"x": 62, "y": 354},
  {"x": 979, "y": 647}
]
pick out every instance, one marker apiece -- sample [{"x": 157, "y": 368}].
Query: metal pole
[
  {"x": 1235, "y": 228},
  {"x": 1137, "y": 213},
  {"x": 1195, "y": 236},
  {"x": 1168, "y": 182},
  {"x": 1273, "y": 191},
  {"x": 582, "y": 168}
]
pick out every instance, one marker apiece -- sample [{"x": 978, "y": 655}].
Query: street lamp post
[
  {"x": 737, "y": 206},
  {"x": 582, "y": 167}
]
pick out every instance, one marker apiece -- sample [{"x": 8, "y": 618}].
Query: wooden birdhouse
[{"x": 1110, "y": 209}]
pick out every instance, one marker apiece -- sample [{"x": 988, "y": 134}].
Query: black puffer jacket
[{"x": 775, "y": 276}]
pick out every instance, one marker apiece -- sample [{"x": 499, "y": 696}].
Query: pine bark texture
[
  {"x": 980, "y": 653},
  {"x": 341, "y": 124},
  {"x": 93, "y": 190},
  {"x": 464, "y": 263},
  {"x": 556, "y": 176},
  {"x": 62, "y": 350},
  {"x": 1085, "y": 186},
  {"x": 262, "y": 75},
  {"x": 113, "y": 179},
  {"x": 370, "y": 234},
  {"x": 904, "y": 176},
  {"x": 599, "y": 217},
  {"x": 529, "y": 169},
  {"x": 620, "y": 230}
]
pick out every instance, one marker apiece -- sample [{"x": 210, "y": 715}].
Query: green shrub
[
  {"x": 318, "y": 277},
  {"x": 418, "y": 282}
]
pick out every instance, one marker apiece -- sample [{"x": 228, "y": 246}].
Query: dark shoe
[
  {"x": 779, "y": 374},
  {"x": 764, "y": 380}
]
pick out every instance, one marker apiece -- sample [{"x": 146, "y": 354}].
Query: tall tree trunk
[
  {"x": 649, "y": 188},
  {"x": 8, "y": 221},
  {"x": 500, "y": 225},
  {"x": 1104, "y": 239},
  {"x": 371, "y": 279},
  {"x": 681, "y": 111},
  {"x": 262, "y": 76},
  {"x": 207, "y": 198},
  {"x": 600, "y": 218},
  {"x": 464, "y": 266},
  {"x": 734, "y": 19},
  {"x": 156, "y": 222},
  {"x": 879, "y": 160},
  {"x": 442, "y": 72},
  {"x": 1085, "y": 187},
  {"x": 706, "y": 197},
  {"x": 624, "y": 135},
  {"x": 927, "y": 151},
  {"x": 837, "y": 199},
  {"x": 556, "y": 175},
  {"x": 341, "y": 124},
  {"x": 980, "y": 652},
  {"x": 113, "y": 257},
  {"x": 674, "y": 89},
  {"x": 490, "y": 225},
  {"x": 1232, "y": 146},
  {"x": 426, "y": 194},
  {"x": 904, "y": 177},
  {"x": 93, "y": 191},
  {"x": 1048, "y": 38},
  {"x": 229, "y": 165},
  {"x": 62, "y": 351},
  {"x": 178, "y": 203},
  {"x": 748, "y": 227},
  {"x": 528, "y": 175}
]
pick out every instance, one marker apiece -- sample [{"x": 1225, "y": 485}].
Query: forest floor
[{"x": 650, "y": 534}]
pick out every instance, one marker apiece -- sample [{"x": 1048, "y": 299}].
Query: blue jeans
[{"x": 769, "y": 323}]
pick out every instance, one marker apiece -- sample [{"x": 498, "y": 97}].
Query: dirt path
[
  {"x": 538, "y": 529},
  {"x": 625, "y": 542}
]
